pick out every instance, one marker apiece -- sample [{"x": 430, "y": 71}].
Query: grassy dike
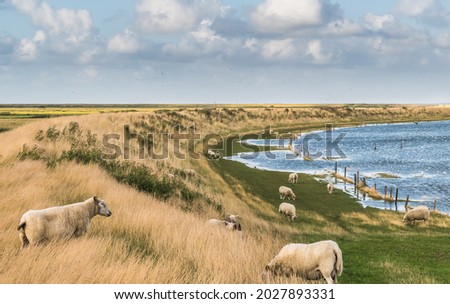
[{"x": 377, "y": 246}]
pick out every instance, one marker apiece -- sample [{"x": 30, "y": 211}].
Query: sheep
[
  {"x": 62, "y": 222},
  {"x": 214, "y": 155},
  {"x": 288, "y": 210},
  {"x": 189, "y": 173},
  {"x": 417, "y": 213},
  {"x": 231, "y": 218},
  {"x": 230, "y": 226},
  {"x": 286, "y": 192},
  {"x": 330, "y": 187},
  {"x": 293, "y": 178},
  {"x": 308, "y": 261}
]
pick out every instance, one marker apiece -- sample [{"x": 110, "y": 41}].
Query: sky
[{"x": 225, "y": 51}]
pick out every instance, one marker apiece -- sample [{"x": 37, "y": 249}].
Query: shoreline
[{"x": 363, "y": 196}]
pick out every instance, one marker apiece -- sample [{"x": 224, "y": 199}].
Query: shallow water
[{"x": 417, "y": 153}]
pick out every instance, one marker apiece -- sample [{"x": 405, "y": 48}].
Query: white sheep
[
  {"x": 214, "y": 155},
  {"x": 62, "y": 222},
  {"x": 308, "y": 261},
  {"x": 330, "y": 187},
  {"x": 286, "y": 192},
  {"x": 230, "y": 226},
  {"x": 288, "y": 210},
  {"x": 417, "y": 213},
  {"x": 293, "y": 178},
  {"x": 231, "y": 218}
]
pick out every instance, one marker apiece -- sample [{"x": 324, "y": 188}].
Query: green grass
[{"x": 373, "y": 252}]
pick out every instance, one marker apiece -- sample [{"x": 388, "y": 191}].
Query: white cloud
[
  {"x": 343, "y": 27},
  {"x": 430, "y": 12},
  {"x": 316, "y": 51},
  {"x": 173, "y": 16},
  {"x": 377, "y": 23},
  {"x": 28, "y": 48},
  {"x": 279, "y": 16},
  {"x": 69, "y": 27},
  {"x": 415, "y": 7},
  {"x": 278, "y": 49},
  {"x": 199, "y": 42},
  {"x": 125, "y": 42}
]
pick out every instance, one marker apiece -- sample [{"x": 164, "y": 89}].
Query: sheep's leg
[{"x": 329, "y": 279}]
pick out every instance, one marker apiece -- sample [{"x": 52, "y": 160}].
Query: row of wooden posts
[{"x": 356, "y": 180}]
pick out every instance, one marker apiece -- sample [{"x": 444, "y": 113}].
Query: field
[{"x": 157, "y": 233}]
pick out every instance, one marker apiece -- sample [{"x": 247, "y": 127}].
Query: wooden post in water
[
  {"x": 354, "y": 182},
  {"x": 385, "y": 192},
  {"x": 406, "y": 203},
  {"x": 396, "y": 198},
  {"x": 390, "y": 192},
  {"x": 375, "y": 186},
  {"x": 335, "y": 167},
  {"x": 345, "y": 178},
  {"x": 435, "y": 207}
]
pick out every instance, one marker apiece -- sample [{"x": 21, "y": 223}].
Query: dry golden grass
[{"x": 145, "y": 241}]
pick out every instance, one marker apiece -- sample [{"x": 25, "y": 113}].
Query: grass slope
[{"x": 377, "y": 247}]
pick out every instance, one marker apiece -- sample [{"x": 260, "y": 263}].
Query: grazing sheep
[
  {"x": 308, "y": 261},
  {"x": 230, "y": 226},
  {"x": 293, "y": 178},
  {"x": 286, "y": 192},
  {"x": 189, "y": 173},
  {"x": 62, "y": 222},
  {"x": 214, "y": 155},
  {"x": 417, "y": 213},
  {"x": 330, "y": 187},
  {"x": 288, "y": 210}
]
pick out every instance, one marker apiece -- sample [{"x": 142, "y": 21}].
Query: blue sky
[{"x": 224, "y": 51}]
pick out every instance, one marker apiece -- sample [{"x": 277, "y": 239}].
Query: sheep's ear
[{"x": 96, "y": 200}]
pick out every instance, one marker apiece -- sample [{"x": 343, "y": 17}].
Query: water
[{"x": 416, "y": 153}]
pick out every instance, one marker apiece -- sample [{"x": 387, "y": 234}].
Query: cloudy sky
[{"x": 224, "y": 51}]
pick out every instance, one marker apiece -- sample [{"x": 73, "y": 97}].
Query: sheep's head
[{"x": 102, "y": 208}]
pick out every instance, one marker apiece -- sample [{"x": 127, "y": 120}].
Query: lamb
[
  {"x": 288, "y": 210},
  {"x": 286, "y": 192},
  {"x": 417, "y": 213},
  {"x": 308, "y": 261},
  {"x": 62, "y": 222},
  {"x": 330, "y": 187},
  {"x": 293, "y": 178}
]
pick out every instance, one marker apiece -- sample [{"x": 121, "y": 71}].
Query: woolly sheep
[
  {"x": 214, "y": 155},
  {"x": 308, "y": 261},
  {"x": 293, "y": 178},
  {"x": 417, "y": 213},
  {"x": 231, "y": 226},
  {"x": 288, "y": 210},
  {"x": 330, "y": 187},
  {"x": 231, "y": 218},
  {"x": 62, "y": 222},
  {"x": 286, "y": 192}
]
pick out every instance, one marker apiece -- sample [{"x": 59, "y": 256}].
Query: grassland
[{"x": 157, "y": 233}]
